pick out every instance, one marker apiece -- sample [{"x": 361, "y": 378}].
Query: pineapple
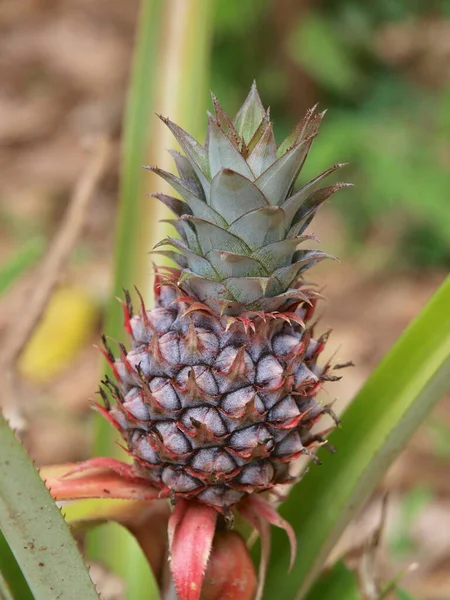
[{"x": 217, "y": 395}]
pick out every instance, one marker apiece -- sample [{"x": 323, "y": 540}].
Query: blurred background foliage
[{"x": 381, "y": 68}]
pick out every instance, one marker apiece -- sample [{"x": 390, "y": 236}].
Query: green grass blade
[
  {"x": 400, "y": 393},
  {"x": 35, "y": 529},
  {"x": 22, "y": 260},
  {"x": 12, "y": 581}
]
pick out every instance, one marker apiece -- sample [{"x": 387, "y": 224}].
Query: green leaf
[
  {"x": 198, "y": 207},
  {"x": 35, "y": 529},
  {"x": 338, "y": 583},
  {"x": 276, "y": 181},
  {"x": 234, "y": 195},
  {"x": 22, "y": 260},
  {"x": 260, "y": 227},
  {"x": 12, "y": 581},
  {"x": 400, "y": 393},
  {"x": 228, "y": 264},
  {"x": 194, "y": 151},
  {"x": 213, "y": 237},
  {"x": 293, "y": 203},
  {"x": 250, "y": 115},
  {"x": 264, "y": 153},
  {"x": 223, "y": 154}
]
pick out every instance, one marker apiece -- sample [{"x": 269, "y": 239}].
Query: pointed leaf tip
[
  {"x": 223, "y": 153},
  {"x": 250, "y": 115}
]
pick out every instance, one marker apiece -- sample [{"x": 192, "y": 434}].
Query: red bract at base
[{"x": 195, "y": 545}]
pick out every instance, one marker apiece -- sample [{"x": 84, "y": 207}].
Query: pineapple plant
[{"x": 217, "y": 395}]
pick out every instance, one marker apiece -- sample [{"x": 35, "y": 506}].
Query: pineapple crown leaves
[{"x": 239, "y": 219}]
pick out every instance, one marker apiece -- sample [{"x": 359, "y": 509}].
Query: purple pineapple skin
[{"x": 212, "y": 410}]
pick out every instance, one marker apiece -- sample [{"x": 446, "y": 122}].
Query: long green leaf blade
[
  {"x": 400, "y": 393},
  {"x": 12, "y": 582},
  {"x": 35, "y": 529}
]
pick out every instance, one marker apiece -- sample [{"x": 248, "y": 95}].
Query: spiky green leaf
[
  {"x": 311, "y": 205},
  {"x": 35, "y": 529},
  {"x": 278, "y": 179},
  {"x": 307, "y": 128},
  {"x": 188, "y": 234},
  {"x": 197, "y": 263},
  {"x": 198, "y": 207},
  {"x": 260, "y": 227},
  {"x": 225, "y": 123},
  {"x": 233, "y": 195},
  {"x": 192, "y": 149},
  {"x": 292, "y": 204},
  {"x": 187, "y": 174},
  {"x": 223, "y": 154},
  {"x": 247, "y": 289},
  {"x": 250, "y": 115},
  {"x": 229, "y": 264},
  {"x": 276, "y": 255},
  {"x": 264, "y": 153},
  {"x": 178, "y": 207},
  {"x": 213, "y": 237}
]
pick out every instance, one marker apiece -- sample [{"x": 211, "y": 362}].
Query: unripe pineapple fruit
[{"x": 217, "y": 395}]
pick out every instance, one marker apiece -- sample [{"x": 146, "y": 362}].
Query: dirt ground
[{"x": 59, "y": 90}]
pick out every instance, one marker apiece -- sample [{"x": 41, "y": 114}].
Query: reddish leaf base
[
  {"x": 97, "y": 478},
  {"x": 191, "y": 530}
]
